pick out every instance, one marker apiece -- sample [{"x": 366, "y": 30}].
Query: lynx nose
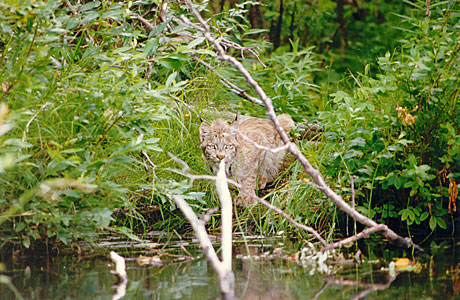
[{"x": 220, "y": 156}]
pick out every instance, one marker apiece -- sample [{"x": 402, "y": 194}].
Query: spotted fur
[{"x": 253, "y": 168}]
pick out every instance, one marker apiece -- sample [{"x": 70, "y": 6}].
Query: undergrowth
[{"x": 93, "y": 100}]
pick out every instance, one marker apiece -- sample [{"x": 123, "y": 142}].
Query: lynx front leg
[{"x": 248, "y": 186}]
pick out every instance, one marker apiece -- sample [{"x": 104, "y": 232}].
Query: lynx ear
[{"x": 204, "y": 131}]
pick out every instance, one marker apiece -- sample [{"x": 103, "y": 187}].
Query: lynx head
[{"x": 218, "y": 142}]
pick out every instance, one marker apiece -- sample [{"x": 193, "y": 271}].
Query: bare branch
[
  {"x": 264, "y": 202},
  {"x": 258, "y": 146},
  {"x": 207, "y": 216},
  {"x": 163, "y": 9},
  {"x": 120, "y": 266},
  {"x": 354, "y": 238},
  {"x": 368, "y": 287},
  {"x": 200, "y": 232},
  {"x": 148, "y": 159},
  {"x": 222, "y": 268},
  {"x": 378, "y": 228},
  {"x": 151, "y": 163},
  {"x": 24, "y": 134},
  {"x": 224, "y": 42},
  {"x": 185, "y": 167},
  {"x": 120, "y": 272},
  {"x": 72, "y": 9},
  {"x": 290, "y": 220},
  {"x": 233, "y": 87},
  {"x": 318, "y": 293},
  {"x": 228, "y": 284},
  {"x": 352, "y": 177},
  {"x": 144, "y": 21},
  {"x": 185, "y": 172},
  {"x": 427, "y": 10}
]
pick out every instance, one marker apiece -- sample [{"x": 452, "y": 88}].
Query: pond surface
[{"x": 167, "y": 270}]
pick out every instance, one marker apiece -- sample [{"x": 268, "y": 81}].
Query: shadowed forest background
[{"x": 94, "y": 94}]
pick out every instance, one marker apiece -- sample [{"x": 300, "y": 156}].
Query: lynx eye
[
  {"x": 228, "y": 147},
  {"x": 211, "y": 146}
]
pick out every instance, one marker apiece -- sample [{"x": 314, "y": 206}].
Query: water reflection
[{"x": 269, "y": 277}]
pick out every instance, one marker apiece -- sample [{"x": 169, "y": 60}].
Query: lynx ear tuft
[{"x": 204, "y": 130}]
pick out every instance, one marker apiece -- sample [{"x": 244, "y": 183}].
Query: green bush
[
  {"x": 75, "y": 81},
  {"x": 397, "y": 131}
]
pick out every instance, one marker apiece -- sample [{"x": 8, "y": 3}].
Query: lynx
[{"x": 253, "y": 168}]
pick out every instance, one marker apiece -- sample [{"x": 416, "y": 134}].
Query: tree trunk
[
  {"x": 292, "y": 27},
  {"x": 277, "y": 30},
  {"x": 342, "y": 35},
  {"x": 254, "y": 16}
]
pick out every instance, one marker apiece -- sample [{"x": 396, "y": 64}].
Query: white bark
[{"x": 223, "y": 268}]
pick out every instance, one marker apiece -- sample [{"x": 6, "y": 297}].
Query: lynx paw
[{"x": 244, "y": 201}]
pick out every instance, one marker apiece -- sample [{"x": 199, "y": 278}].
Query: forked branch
[
  {"x": 185, "y": 172},
  {"x": 223, "y": 268}
]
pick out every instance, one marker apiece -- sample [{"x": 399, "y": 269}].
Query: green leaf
[
  {"x": 26, "y": 242},
  {"x": 90, "y": 16},
  {"x": 398, "y": 182},
  {"x": 63, "y": 236},
  {"x": 255, "y": 31},
  {"x": 195, "y": 42},
  {"x": 88, "y": 6},
  {"x": 359, "y": 141},
  {"x": 171, "y": 79},
  {"x": 433, "y": 223},
  {"x": 170, "y": 63},
  {"x": 73, "y": 150},
  {"x": 151, "y": 46},
  {"x": 115, "y": 12},
  {"x": 424, "y": 216},
  {"x": 412, "y": 160},
  {"x": 127, "y": 232},
  {"x": 20, "y": 226},
  {"x": 441, "y": 223},
  {"x": 17, "y": 143}
]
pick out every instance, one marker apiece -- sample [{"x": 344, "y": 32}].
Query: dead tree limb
[
  {"x": 223, "y": 268},
  {"x": 185, "y": 172},
  {"x": 354, "y": 238},
  {"x": 290, "y": 220},
  {"x": 315, "y": 174}
]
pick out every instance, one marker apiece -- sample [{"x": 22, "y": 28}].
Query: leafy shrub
[
  {"x": 397, "y": 131},
  {"x": 75, "y": 81}
]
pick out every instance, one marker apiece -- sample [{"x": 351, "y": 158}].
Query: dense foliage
[
  {"x": 94, "y": 95},
  {"x": 398, "y": 131}
]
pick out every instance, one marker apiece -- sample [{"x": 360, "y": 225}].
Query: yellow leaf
[{"x": 402, "y": 263}]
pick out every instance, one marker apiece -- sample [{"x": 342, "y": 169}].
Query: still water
[{"x": 167, "y": 269}]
